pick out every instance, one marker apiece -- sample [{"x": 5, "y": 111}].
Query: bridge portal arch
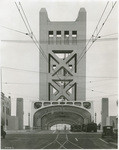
[{"x": 44, "y": 117}]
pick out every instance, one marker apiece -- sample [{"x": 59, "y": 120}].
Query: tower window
[
  {"x": 54, "y": 67},
  {"x": 70, "y": 66},
  {"x": 74, "y": 33},
  {"x": 50, "y": 34},
  {"x": 58, "y": 33},
  {"x": 66, "y": 33}
]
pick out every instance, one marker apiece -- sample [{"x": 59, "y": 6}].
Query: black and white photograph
[{"x": 59, "y": 74}]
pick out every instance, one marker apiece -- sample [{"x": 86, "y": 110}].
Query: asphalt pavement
[{"x": 54, "y": 140}]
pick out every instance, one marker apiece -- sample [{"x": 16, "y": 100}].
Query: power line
[
  {"x": 108, "y": 35},
  {"x": 93, "y": 32},
  {"x": 18, "y": 83},
  {"x": 35, "y": 41},
  {"x": 31, "y": 35},
  {"x": 13, "y": 30},
  {"x": 101, "y": 17},
  {"x": 25, "y": 17},
  {"x": 78, "y": 41},
  {"x": 96, "y": 37},
  {"x": 22, "y": 17},
  {"x": 105, "y": 77},
  {"x": 20, "y": 69}
]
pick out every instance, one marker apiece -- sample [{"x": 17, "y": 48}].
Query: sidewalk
[
  {"x": 27, "y": 132},
  {"x": 20, "y": 131}
]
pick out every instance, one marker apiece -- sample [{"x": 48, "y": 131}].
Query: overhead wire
[
  {"x": 84, "y": 49},
  {"x": 78, "y": 41},
  {"x": 96, "y": 37},
  {"x": 22, "y": 17},
  {"x": 108, "y": 35},
  {"x": 93, "y": 33},
  {"x": 36, "y": 41},
  {"x": 100, "y": 18},
  {"x": 13, "y": 30},
  {"x": 104, "y": 77},
  {"x": 25, "y": 17},
  {"x": 30, "y": 33}
]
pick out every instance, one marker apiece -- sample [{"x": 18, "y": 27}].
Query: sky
[{"x": 102, "y": 57}]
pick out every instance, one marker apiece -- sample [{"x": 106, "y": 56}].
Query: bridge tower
[
  {"x": 62, "y": 76},
  {"x": 62, "y": 92}
]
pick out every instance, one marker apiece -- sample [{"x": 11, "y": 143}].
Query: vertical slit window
[
  {"x": 74, "y": 37},
  {"x": 70, "y": 67},
  {"x": 50, "y": 37},
  {"x": 66, "y": 37},
  {"x": 58, "y": 35},
  {"x": 54, "y": 67},
  {"x": 66, "y": 34},
  {"x": 74, "y": 34}
]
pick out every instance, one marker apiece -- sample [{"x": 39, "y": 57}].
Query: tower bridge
[{"x": 62, "y": 87}]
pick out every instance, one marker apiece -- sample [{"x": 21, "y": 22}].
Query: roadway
[{"x": 54, "y": 140}]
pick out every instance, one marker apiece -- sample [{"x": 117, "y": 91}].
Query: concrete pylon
[
  {"x": 104, "y": 112},
  {"x": 20, "y": 113}
]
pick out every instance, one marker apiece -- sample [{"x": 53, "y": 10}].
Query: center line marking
[
  {"x": 54, "y": 132},
  {"x": 103, "y": 141}
]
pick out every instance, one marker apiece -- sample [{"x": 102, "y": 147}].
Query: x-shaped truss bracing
[{"x": 61, "y": 79}]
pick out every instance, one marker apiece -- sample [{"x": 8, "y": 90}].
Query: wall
[
  {"x": 105, "y": 112},
  {"x": 5, "y": 110},
  {"x": 13, "y": 123},
  {"x": 19, "y": 113}
]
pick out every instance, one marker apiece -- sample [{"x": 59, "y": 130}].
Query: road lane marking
[
  {"x": 103, "y": 141},
  {"x": 51, "y": 142},
  {"x": 54, "y": 131},
  {"x": 61, "y": 145},
  {"x": 75, "y": 145},
  {"x": 66, "y": 137},
  {"x": 76, "y": 139},
  {"x": 48, "y": 145}
]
